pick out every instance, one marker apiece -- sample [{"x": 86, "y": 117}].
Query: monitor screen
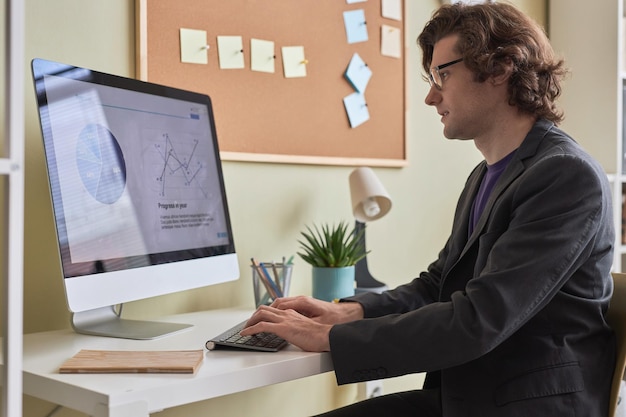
[{"x": 136, "y": 185}]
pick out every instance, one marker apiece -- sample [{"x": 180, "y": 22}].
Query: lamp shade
[{"x": 370, "y": 200}]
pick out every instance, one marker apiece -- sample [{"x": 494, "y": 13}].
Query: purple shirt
[{"x": 486, "y": 187}]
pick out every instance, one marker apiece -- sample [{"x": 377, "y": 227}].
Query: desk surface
[{"x": 137, "y": 395}]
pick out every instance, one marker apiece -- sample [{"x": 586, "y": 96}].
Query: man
[{"x": 509, "y": 320}]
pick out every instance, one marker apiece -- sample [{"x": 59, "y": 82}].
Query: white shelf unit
[
  {"x": 12, "y": 231},
  {"x": 590, "y": 37},
  {"x": 619, "y": 178}
]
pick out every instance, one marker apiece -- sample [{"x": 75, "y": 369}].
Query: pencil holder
[{"x": 270, "y": 280}]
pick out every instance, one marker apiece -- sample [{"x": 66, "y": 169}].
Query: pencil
[
  {"x": 270, "y": 281},
  {"x": 277, "y": 279},
  {"x": 263, "y": 279}
]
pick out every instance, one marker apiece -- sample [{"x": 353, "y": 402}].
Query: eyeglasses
[{"x": 434, "y": 77}]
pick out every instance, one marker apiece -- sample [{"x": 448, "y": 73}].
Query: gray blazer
[{"x": 510, "y": 321}]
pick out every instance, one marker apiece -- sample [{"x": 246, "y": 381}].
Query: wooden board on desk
[{"x": 124, "y": 361}]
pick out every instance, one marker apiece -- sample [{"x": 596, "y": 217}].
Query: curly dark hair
[{"x": 492, "y": 34}]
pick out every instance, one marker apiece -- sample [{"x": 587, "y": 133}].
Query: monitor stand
[{"x": 105, "y": 322}]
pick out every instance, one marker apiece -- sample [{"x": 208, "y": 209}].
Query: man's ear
[{"x": 503, "y": 72}]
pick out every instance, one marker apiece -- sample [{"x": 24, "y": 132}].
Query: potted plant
[{"x": 332, "y": 251}]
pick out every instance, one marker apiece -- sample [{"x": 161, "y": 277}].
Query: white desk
[{"x": 137, "y": 395}]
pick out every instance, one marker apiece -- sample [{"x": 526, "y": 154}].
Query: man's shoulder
[{"x": 546, "y": 139}]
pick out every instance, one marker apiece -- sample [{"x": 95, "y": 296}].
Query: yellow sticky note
[
  {"x": 294, "y": 62},
  {"x": 392, "y": 9},
  {"x": 230, "y": 52},
  {"x": 193, "y": 46},
  {"x": 390, "y": 41},
  {"x": 262, "y": 55}
]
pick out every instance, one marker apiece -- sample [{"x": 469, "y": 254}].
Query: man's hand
[
  {"x": 302, "y": 321},
  {"x": 292, "y": 326},
  {"x": 321, "y": 311}
]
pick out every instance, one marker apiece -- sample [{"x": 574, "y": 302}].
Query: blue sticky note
[
  {"x": 358, "y": 73},
  {"x": 356, "y": 107},
  {"x": 356, "y": 26}
]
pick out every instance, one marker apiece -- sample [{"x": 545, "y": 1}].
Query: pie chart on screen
[{"x": 101, "y": 164}]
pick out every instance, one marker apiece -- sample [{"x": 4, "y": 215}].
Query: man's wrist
[{"x": 351, "y": 310}]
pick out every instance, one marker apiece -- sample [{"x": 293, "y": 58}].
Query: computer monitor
[{"x": 137, "y": 192}]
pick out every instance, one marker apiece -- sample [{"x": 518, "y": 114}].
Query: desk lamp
[{"x": 370, "y": 201}]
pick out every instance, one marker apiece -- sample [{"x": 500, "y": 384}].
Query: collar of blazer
[{"x": 527, "y": 149}]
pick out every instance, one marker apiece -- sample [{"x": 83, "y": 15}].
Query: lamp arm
[{"x": 365, "y": 282}]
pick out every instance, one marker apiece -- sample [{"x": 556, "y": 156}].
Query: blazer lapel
[
  {"x": 461, "y": 220},
  {"x": 527, "y": 149}
]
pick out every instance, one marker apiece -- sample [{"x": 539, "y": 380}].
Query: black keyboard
[{"x": 266, "y": 342}]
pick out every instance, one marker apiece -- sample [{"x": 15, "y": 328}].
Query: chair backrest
[{"x": 616, "y": 317}]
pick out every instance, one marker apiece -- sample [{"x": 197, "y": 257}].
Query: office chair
[{"x": 616, "y": 317}]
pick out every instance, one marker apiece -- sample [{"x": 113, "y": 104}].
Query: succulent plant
[{"x": 332, "y": 246}]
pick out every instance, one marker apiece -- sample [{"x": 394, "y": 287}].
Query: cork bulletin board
[{"x": 267, "y": 117}]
